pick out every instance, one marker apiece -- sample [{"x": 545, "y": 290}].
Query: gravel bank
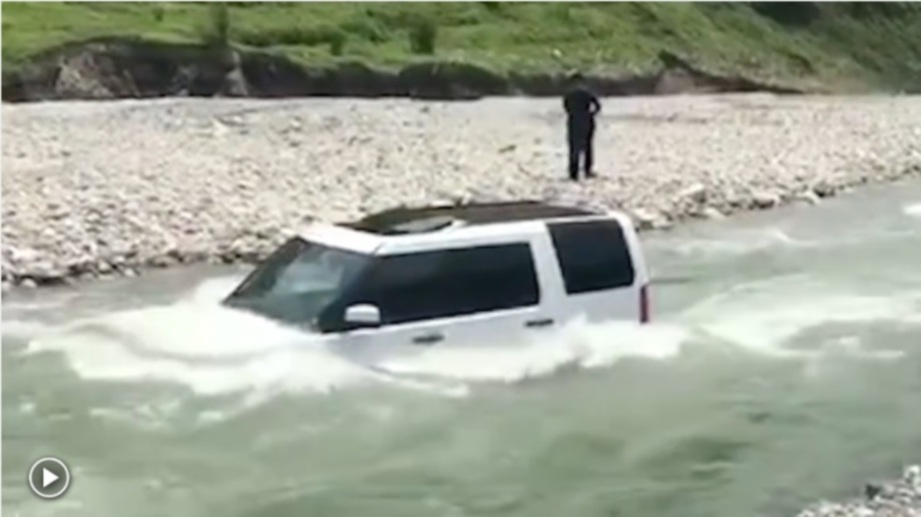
[
  {"x": 894, "y": 498},
  {"x": 110, "y": 187}
]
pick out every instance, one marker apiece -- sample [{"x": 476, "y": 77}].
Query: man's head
[{"x": 576, "y": 78}]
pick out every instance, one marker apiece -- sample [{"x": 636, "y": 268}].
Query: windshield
[{"x": 299, "y": 281}]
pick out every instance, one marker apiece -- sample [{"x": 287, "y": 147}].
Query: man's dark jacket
[{"x": 581, "y": 107}]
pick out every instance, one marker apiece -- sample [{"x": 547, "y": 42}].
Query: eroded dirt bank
[{"x": 132, "y": 68}]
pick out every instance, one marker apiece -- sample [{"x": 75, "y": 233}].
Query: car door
[
  {"x": 496, "y": 295},
  {"x": 484, "y": 294},
  {"x": 602, "y": 282}
]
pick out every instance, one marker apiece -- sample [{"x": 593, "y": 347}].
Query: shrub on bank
[
  {"x": 422, "y": 36},
  {"x": 218, "y": 31}
]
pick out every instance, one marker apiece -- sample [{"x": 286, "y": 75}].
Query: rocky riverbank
[
  {"x": 100, "y": 188},
  {"x": 893, "y": 498}
]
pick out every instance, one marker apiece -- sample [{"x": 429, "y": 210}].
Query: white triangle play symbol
[{"x": 48, "y": 477}]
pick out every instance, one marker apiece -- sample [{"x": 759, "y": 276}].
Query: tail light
[{"x": 644, "y": 304}]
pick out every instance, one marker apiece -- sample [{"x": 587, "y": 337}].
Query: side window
[
  {"x": 445, "y": 283},
  {"x": 593, "y": 255}
]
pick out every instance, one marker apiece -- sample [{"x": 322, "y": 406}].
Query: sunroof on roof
[{"x": 432, "y": 218}]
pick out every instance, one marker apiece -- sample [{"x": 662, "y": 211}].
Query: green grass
[{"x": 834, "y": 42}]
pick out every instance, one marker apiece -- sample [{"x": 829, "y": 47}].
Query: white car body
[{"x": 364, "y": 329}]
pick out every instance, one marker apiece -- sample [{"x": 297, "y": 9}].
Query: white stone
[
  {"x": 696, "y": 193},
  {"x": 809, "y": 197},
  {"x": 763, "y": 199},
  {"x": 712, "y": 213},
  {"x": 202, "y": 183}
]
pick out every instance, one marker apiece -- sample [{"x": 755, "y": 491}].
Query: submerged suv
[{"x": 452, "y": 275}]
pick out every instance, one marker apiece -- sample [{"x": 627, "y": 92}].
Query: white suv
[{"x": 452, "y": 275}]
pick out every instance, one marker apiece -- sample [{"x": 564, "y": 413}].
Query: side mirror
[{"x": 363, "y": 315}]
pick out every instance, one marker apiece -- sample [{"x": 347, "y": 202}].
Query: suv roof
[{"x": 407, "y": 220}]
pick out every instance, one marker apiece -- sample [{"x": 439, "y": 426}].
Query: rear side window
[
  {"x": 593, "y": 255},
  {"x": 446, "y": 283}
]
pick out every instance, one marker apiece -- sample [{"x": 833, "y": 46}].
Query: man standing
[{"x": 581, "y": 107}]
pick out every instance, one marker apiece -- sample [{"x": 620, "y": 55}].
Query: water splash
[
  {"x": 22, "y": 330},
  {"x": 735, "y": 244},
  {"x": 208, "y": 348},
  {"x": 913, "y": 210},
  {"x": 213, "y": 290},
  {"x": 214, "y": 350},
  {"x": 766, "y": 316},
  {"x": 577, "y": 345}
]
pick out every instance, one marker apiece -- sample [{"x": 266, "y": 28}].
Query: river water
[{"x": 785, "y": 366}]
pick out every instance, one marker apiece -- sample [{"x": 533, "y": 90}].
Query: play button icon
[{"x": 49, "y": 478}]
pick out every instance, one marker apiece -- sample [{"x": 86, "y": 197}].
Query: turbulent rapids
[{"x": 773, "y": 366}]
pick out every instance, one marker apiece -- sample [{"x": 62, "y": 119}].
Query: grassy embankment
[{"x": 840, "y": 45}]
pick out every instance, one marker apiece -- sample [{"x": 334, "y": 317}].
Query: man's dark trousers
[{"x": 581, "y": 134}]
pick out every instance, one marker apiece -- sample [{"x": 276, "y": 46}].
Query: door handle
[
  {"x": 428, "y": 339},
  {"x": 546, "y": 322}
]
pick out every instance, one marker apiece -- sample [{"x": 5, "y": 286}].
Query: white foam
[
  {"x": 22, "y": 330},
  {"x": 215, "y": 350},
  {"x": 764, "y": 316},
  {"x": 46, "y": 303},
  {"x": 777, "y": 240},
  {"x": 913, "y": 210},
  {"x": 213, "y": 290},
  {"x": 578, "y": 345},
  {"x": 738, "y": 243},
  {"x": 210, "y": 349}
]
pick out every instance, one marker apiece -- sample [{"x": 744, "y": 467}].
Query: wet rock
[
  {"x": 895, "y": 498},
  {"x": 871, "y": 490},
  {"x": 696, "y": 193},
  {"x": 912, "y": 477},
  {"x": 162, "y": 261},
  {"x": 763, "y": 200},
  {"x": 824, "y": 188},
  {"x": 442, "y": 202},
  {"x": 650, "y": 220},
  {"x": 712, "y": 213},
  {"x": 47, "y": 272},
  {"x": 809, "y": 197}
]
